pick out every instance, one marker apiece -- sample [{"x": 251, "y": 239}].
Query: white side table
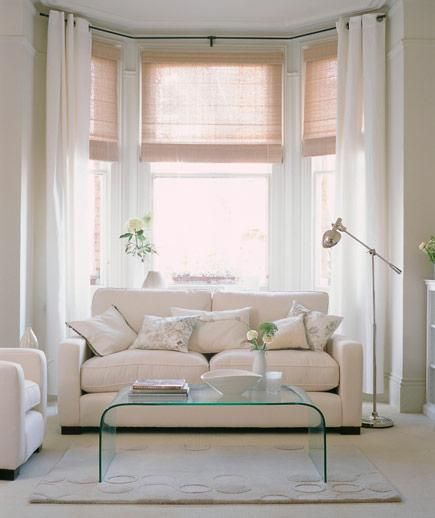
[{"x": 429, "y": 407}]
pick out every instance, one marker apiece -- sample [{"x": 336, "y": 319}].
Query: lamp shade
[
  {"x": 331, "y": 238},
  {"x": 154, "y": 280}
]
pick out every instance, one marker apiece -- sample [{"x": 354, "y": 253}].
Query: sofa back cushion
[
  {"x": 134, "y": 304},
  {"x": 268, "y": 306}
]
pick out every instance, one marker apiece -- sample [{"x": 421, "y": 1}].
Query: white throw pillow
[
  {"x": 217, "y": 331},
  {"x": 290, "y": 334},
  {"x": 165, "y": 333},
  {"x": 318, "y": 326},
  {"x": 105, "y": 334}
]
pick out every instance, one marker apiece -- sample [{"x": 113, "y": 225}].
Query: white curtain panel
[
  {"x": 361, "y": 185},
  {"x": 67, "y": 127}
]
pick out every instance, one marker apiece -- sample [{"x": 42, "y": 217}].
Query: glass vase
[{"x": 259, "y": 366}]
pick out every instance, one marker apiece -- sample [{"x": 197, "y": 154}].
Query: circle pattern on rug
[
  {"x": 51, "y": 491},
  {"x": 345, "y": 487},
  {"x": 335, "y": 476},
  {"x": 115, "y": 489},
  {"x": 158, "y": 480},
  {"x": 194, "y": 488},
  {"x": 379, "y": 487},
  {"x": 309, "y": 488},
  {"x": 304, "y": 477},
  {"x": 231, "y": 484},
  {"x": 121, "y": 479}
]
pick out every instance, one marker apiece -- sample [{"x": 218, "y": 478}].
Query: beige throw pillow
[
  {"x": 290, "y": 334},
  {"x": 165, "y": 333},
  {"x": 318, "y": 326},
  {"x": 105, "y": 334},
  {"x": 217, "y": 331}
]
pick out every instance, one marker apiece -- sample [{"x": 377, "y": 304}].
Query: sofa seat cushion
[
  {"x": 32, "y": 395},
  {"x": 111, "y": 373},
  {"x": 314, "y": 371}
]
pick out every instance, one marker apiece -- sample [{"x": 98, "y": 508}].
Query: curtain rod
[{"x": 212, "y": 39}]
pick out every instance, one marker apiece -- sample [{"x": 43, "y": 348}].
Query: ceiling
[{"x": 212, "y": 16}]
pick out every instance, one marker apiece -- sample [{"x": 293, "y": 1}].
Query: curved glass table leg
[{"x": 107, "y": 441}]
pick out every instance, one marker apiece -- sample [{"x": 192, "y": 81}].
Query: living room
[{"x": 171, "y": 167}]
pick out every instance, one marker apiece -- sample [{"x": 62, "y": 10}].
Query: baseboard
[{"x": 407, "y": 394}]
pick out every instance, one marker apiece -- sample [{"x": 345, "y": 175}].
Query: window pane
[
  {"x": 212, "y": 230},
  {"x": 323, "y": 168},
  {"x": 97, "y": 194}
]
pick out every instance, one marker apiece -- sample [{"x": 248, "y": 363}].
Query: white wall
[
  {"x": 411, "y": 159},
  {"x": 21, "y": 152}
]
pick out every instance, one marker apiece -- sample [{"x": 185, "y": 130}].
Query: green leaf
[{"x": 127, "y": 234}]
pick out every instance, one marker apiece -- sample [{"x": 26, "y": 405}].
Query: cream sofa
[{"x": 88, "y": 383}]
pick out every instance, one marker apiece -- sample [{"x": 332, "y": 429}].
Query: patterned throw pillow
[
  {"x": 166, "y": 333},
  {"x": 217, "y": 331},
  {"x": 105, "y": 334},
  {"x": 318, "y": 326},
  {"x": 290, "y": 334}
]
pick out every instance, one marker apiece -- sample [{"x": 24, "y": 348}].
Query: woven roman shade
[
  {"x": 320, "y": 100},
  {"x": 212, "y": 107},
  {"x": 103, "y": 139}
]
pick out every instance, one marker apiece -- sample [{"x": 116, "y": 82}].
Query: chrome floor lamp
[{"x": 330, "y": 239}]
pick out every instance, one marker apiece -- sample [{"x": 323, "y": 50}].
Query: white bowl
[{"x": 231, "y": 381}]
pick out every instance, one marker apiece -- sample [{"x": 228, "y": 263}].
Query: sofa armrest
[
  {"x": 72, "y": 353},
  {"x": 349, "y": 356},
  {"x": 34, "y": 366},
  {"x": 12, "y": 443}
]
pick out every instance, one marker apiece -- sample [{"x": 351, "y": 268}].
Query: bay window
[{"x": 239, "y": 184}]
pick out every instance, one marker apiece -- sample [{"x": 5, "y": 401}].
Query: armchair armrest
[
  {"x": 34, "y": 368},
  {"x": 12, "y": 449},
  {"x": 72, "y": 353},
  {"x": 349, "y": 356}
]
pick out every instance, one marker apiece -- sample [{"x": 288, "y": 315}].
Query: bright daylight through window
[{"x": 211, "y": 223}]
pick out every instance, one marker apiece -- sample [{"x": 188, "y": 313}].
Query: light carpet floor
[
  {"x": 405, "y": 454},
  {"x": 207, "y": 474}
]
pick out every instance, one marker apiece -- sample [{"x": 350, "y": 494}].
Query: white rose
[
  {"x": 252, "y": 335},
  {"x": 422, "y": 245},
  {"x": 267, "y": 339},
  {"x": 135, "y": 224}
]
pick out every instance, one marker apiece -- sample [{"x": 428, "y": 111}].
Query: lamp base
[{"x": 376, "y": 421}]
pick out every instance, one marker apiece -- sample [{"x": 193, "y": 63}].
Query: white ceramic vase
[
  {"x": 29, "y": 339},
  {"x": 259, "y": 366}
]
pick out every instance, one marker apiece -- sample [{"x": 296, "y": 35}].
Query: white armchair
[{"x": 23, "y": 405}]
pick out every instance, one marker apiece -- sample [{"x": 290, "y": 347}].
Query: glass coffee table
[{"x": 289, "y": 397}]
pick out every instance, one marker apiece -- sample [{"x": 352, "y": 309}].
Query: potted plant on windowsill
[
  {"x": 259, "y": 341},
  {"x": 138, "y": 245}
]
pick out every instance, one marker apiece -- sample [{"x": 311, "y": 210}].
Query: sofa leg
[
  {"x": 350, "y": 430},
  {"x": 9, "y": 474},
  {"x": 70, "y": 430}
]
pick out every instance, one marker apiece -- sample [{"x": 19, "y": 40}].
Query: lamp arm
[{"x": 372, "y": 251}]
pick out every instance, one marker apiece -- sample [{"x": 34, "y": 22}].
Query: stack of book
[{"x": 159, "y": 389}]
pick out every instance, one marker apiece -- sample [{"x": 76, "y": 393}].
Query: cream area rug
[{"x": 206, "y": 474}]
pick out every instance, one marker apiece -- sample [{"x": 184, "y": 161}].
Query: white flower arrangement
[
  {"x": 138, "y": 244},
  {"x": 428, "y": 248},
  {"x": 260, "y": 340}
]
